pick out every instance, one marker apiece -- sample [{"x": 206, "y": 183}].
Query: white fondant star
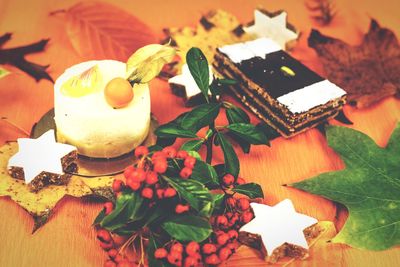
[
  {"x": 186, "y": 79},
  {"x": 272, "y": 27},
  {"x": 38, "y": 155},
  {"x": 278, "y": 225}
]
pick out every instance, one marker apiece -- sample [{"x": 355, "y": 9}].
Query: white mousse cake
[{"x": 85, "y": 120}]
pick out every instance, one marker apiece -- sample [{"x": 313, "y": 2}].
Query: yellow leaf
[
  {"x": 40, "y": 204},
  {"x": 147, "y": 62},
  {"x": 215, "y": 29}
]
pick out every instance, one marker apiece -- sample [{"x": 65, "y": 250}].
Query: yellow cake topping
[{"x": 83, "y": 84}]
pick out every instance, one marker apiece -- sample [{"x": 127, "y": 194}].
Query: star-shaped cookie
[
  {"x": 42, "y": 161},
  {"x": 274, "y": 26},
  {"x": 278, "y": 225}
]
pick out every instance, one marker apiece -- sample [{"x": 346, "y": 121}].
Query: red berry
[
  {"x": 177, "y": 247},
  {"x": 117, "y": 185},
  {"x": 240, "y": 181},
  {"x": 209, "y": 248},
  {"x": 222, "y": 239},
  {"x": 175, "y": 258},
  {"x": 151, "y": 178},
  {"x": 190, "y": 262},
  {"x": 169, "y": 192},
  {"x": 243, "y": 204},
  {"x": 231, "y": 202},
  {"x": 138, "y": 175},
  {"x": 112, "y": 253},
  {"x": 228, "y": 179},
  {"x": 182, "y": 154},
  {"x": 128, "y": 170},
  {"x": 141, "y": 151},
  {"x": 147, "y": 193},
  {"x": 212, "y": 259},
  {"x": 133, "y": 184},
  {"x": 110, "y": 263},
  {"x": 192, "y": 248},
  {"x": 224, "y": 254},
  {"x": 160, "y": 253},
  {"x": 104, "y": 236},
  {"x": 185, "y": 173},
  {"x": 158, "y": 155},
  {"x": 169, "y": 151},
  {"x": 108, "y": 207},
  {"x": 160, "y": 193},
  {"x": 160, "y": 165},
  {"x": 181, "y": 208},
  {"x": 232, "y": 246},
  {"x": 246, "y": 217},
  {"x": 189, "y": 162},
  {"x": 106, "y": 246},
  {"x": 233, "y": 234},
  {"x": 222, "y": 220}
]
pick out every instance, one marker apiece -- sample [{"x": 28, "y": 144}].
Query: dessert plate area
[{"x": 95, "y": 167}]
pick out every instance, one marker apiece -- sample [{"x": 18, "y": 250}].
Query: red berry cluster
[
  {"x": 109, "y": 244},
  {"x": 228, "y": 181},
  {"x": 144, "y": 178}
]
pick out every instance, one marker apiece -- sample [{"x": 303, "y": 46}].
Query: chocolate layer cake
[{"x": 279, "y": 89}]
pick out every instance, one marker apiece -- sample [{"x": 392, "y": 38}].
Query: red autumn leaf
[
  {"x": 102, "y": 31},
  {"x": 368, "y": 72}
]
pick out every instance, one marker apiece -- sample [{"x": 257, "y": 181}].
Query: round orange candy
[{"x": 118, "y": 93}]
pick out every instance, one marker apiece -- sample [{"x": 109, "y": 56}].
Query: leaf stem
[{"x": 209, "y": 143}]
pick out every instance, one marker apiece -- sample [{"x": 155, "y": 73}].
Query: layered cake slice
[{"x": 279, "y": 89}]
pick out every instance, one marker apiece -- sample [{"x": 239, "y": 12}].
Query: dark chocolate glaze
[{"x": 267, "y": 73}]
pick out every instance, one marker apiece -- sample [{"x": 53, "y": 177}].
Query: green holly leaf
[
  {"x": 172, "y": 130},
  {"x": 192, "y": 145},
  {"x": 231, "y": 159},
  {"x": 237, "y": 115},
  {"x": 206, "y": 174},
  {"x": 198, "y": 67},
  {"x": 369, "y": 187},
  {"x": 194, "y": 192},
  {"x": 200, "y": 116},
  {"x": 248, "y": 132},
  {"x": 252, "y": 190},
  {"x": 188, "y": 228},
  {"x": 3, "y": 72}
]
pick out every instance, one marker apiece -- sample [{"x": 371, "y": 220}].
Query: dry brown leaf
[
  {"x": 102, "y": 31},
  {"x": 216, "y": 28},
  {"x": 321, "y": 250},
  {"x": 40, "y": 205}
]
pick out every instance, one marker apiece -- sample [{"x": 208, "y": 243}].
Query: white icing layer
[
  {"x": 40, "y": 155},
  {"x": 311, "y": 96},
  {"x": 278, "y": 225},
  {"x": 92, "y": 125},
  {"x": 274, "y": 28},
  {"x": 255, "y": 48},
  {"x": 186, "y": 79}
]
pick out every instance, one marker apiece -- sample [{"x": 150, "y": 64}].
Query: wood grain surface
[{"x": 68, "y": 238}]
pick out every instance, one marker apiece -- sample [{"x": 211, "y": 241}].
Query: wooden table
[{"x": 68, "y": 238}]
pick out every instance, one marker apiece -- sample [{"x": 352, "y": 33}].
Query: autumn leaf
[
  {"x": 102, "y": 31},
  {"x": 40, "y": 205},
  {"x": 215, "y": 29},
  {"x": 16, "y": 57},
  {"x": 369, "y": 187},
  {"x": 368, "y": 72}
]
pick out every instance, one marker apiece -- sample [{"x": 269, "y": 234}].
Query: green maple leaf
[{"x": 369, "y": 187}]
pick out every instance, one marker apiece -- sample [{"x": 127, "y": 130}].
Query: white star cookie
[
  {"x": 185, "y": 85},
  {"x": 278, "y": 225},
  {"x": 41, "y": 159},
  {"x": 274, "y": 27}
]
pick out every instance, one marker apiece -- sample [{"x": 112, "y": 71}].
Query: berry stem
[{"x": 209, "y": 144}]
